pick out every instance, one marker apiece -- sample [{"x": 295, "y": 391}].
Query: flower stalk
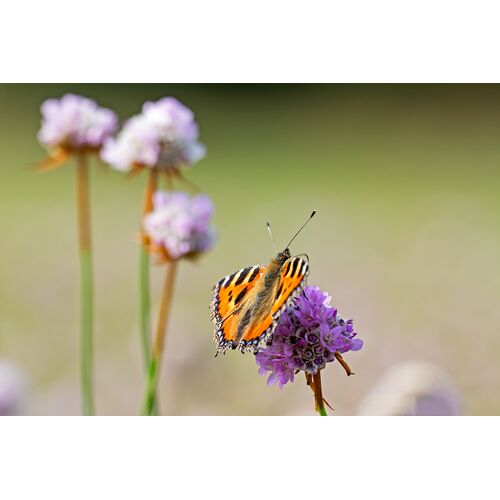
[
  {"x": 76, "y": 126},
  {"x": 144, "y": 288},
  {"x": 86, "y": 284},
  {"x": 150, "y": 402},
  {"x": 318, "y": 395}
]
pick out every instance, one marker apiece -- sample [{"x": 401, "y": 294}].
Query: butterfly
[{"x": 247, "y": 304}]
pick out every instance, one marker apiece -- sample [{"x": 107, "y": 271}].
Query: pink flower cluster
[
  {"x": 180, "y": 224},
  {"x": 308, "y": 335},
  {"x": 163, "y": 135},
  {"x": 75, "y": 122}
]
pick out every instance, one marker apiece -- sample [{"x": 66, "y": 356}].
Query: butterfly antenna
[
  {"x": 302, "y": 227},
  {"x": 271, "y": 234}
]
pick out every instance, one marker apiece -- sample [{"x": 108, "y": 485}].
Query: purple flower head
[
  {"x": 307, "y": 336},
  {"x": 164, "y": 135},
  {"x": 13, "y": 388},
  {"x": 75, "y": 122},
  {"x": 180, "y": 224}
]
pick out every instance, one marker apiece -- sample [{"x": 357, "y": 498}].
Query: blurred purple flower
[
  {"x": 164, "y": 135},
  {"x": 307, "y": 336},
  {"x": 13, "y": 388},
  {"x": 179, "y": 224},
  {"x": 75, "y": 122}
]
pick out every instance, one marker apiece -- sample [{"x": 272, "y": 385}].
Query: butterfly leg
[{"x": 345, "y": 366}]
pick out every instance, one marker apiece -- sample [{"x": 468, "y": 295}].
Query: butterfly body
[{"x": 247, "y": 304}]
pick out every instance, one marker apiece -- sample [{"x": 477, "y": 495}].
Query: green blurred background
[{"x": 405, "y": 180}]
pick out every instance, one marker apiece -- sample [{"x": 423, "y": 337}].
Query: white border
[
  {"x": 296, "y": 457},
  {"x": 259, "y": 41}
]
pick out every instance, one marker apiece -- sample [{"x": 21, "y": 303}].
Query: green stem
[
  {"x": 144, "y": 295},
  {"x": 150, "y": 402},
  {"x": 86, "y": 284},
  {"x": 152, "y": 382},
  {"x": 322, "y": 411},
  {"x": 144, "y": 304}
]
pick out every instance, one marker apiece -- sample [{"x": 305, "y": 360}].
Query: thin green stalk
[
  {"x": 322, "y": 411},
  {"x": 86, "y": 284},
  {"x": 144, "y": 294},
  {"x": 144, "y": 305},
  {"x": 150, "y": 402}
]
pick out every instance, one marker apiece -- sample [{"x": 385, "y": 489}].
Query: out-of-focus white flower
[
  {"x": 164, "y": 135},
  {"x": 413, "y": 388},
  {"x": 180, "y": 224},
  {"x": 75, "y": 122}
]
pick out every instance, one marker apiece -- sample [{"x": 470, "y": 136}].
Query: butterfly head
[{"x": 283, "y": 256}]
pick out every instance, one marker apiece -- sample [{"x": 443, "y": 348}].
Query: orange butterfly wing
[
  {"x": 227, "y": 297},
  {"x": 293, "y": 276}
]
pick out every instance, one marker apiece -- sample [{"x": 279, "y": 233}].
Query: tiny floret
[
  {"x": 164, "y": 135},
  {"x": 307, "y": 336},
  {"x": 75, "y": 122},
  {"x": 180, "y": 225}
]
